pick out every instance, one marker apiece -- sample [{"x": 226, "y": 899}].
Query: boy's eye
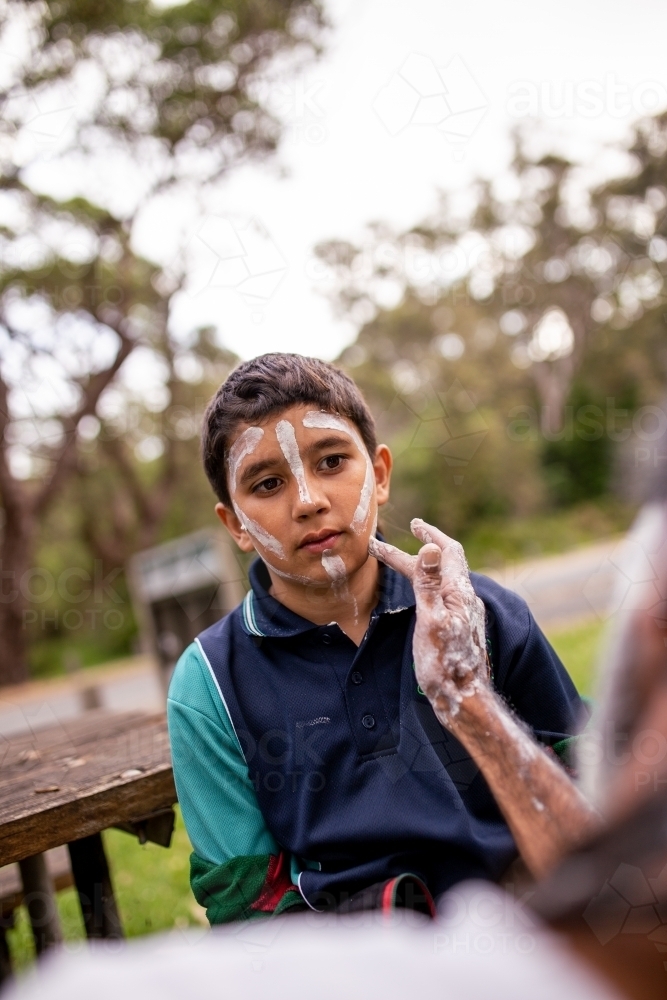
[
  {"x": 332, "y": 462},
  {"x": 268, "y": 485}
]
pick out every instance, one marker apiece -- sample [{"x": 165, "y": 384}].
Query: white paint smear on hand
[
  {"x": 290, "y": 449},
  {"x": 331, "y": 421},
  {"x": 244, "y": 445}
]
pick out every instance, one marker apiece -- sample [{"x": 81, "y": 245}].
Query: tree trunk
[
  {"x": 16, "y": 552},
  {"x": 553, "y": 380}
]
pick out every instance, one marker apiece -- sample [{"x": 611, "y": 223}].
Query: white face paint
[
  {"x": 334, "y": 567},
  {"x": 330, "y": 421},
  {"x": 244, "y": 445},
  {"x": 290, "y": 449},
  {"x": 288, "y": 576},
  {"x": 259, "y": 534}
]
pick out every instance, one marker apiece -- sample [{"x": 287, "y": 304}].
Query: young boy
[{"x": 310, "y": 767}]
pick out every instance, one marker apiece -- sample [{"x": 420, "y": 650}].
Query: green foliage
[
  {"x": 494, "y": 542},
  {"x": 579, "y": 649},
  {"x": 180, "y": 80},
  {"x": 578, "y": 460}
]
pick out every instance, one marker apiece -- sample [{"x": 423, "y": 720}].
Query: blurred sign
[{"x": 180, "y": 588}]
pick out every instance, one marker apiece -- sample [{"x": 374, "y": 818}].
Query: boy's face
[{"x": 305, "y": 494}]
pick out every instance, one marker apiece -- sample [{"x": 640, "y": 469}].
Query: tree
[
  {"x": 173, "y": 89},
  {"x": 551, "y": 259},
  {"x": 507, "y": 341}
]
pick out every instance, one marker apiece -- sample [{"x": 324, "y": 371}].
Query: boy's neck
[{"x": 350, "y": 606}]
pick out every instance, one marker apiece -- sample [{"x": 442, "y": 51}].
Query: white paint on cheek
[
  {"x": 259, "y": 533},
  {"x": 360, "y": 515},
  {"x": 290, "y": 449},
  {"x": 331, "y": 421},
  {"x": 244, "y": 445},
  {"x": 288, "y": 576}
]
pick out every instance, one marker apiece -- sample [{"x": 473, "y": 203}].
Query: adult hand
[{"x": 449, "y": 642}]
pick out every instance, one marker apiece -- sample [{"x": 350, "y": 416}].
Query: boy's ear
[
  {"x": 382, "y": 464},
  {"x": 234, "y": 527}
]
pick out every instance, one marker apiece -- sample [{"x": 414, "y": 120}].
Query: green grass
[
  {"x": 578, "y": 648},
  {"x": 152, "y": 890}
]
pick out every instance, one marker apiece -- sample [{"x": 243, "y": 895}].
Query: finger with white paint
[
  {"x": 456, "y": 587},
  {"x": 391, "y": 556},
  {"x": 427, "y": 579}
]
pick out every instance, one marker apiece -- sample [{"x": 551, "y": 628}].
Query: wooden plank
[{"x": 70, "y": 781}]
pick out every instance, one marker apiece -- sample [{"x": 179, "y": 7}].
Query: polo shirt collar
[{"x": 263, "y": 615}]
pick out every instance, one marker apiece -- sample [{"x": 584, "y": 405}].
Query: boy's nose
[{"x": 313, "y": 502}]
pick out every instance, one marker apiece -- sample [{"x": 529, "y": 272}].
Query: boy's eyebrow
[
  {"x": 331, "y": 441},
  {"x": 256, "y": 468}
]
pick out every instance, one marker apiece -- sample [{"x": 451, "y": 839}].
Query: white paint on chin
[
  {"x": 334, "y": 567},
  {"x": 244, "y": 445},
  {"x": 331, "y": 421},
  {"x": 290, "y": 449}
]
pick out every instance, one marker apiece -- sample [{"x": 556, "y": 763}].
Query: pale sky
[
  {"x": 361, "y": 145},
  {"x": 346, "y": 168}
]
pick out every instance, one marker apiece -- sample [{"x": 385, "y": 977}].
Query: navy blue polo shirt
[{"x": 352, "y": 772}]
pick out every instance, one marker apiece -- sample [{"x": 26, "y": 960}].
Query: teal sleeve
[{"x": 216, "y": 796}]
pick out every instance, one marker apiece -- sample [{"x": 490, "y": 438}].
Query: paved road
[
  {"x": 584, "y": 584},
  {"x": 122, "y": 686},
  {"x": 560, "y": 590}
]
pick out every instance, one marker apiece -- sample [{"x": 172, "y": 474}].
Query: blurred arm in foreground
[{"x": 544, "y": 809}]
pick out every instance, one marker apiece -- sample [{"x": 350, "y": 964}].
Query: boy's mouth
[{"x": 319, "y": 541}]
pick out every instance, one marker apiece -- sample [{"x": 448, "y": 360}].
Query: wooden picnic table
[{"x": 65, "y": 784}]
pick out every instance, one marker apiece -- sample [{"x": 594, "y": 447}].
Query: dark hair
[{"x": 267, "y": 385}]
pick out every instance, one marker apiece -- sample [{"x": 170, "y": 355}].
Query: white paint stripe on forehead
[
  {"x": 331, "y": 421},
  {"x": 259, "y": 534},
  {"x": 290, "y": 449},
  {"x": 244, "y": 445}
]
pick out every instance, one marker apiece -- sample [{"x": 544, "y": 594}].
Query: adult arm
[{"x": 543, "y": 808}]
